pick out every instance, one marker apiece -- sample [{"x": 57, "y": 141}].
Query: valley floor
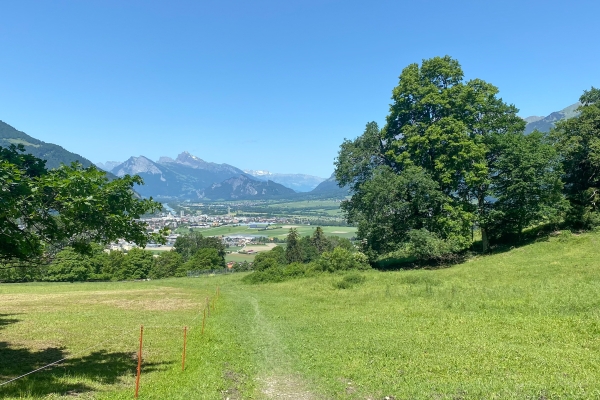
[{"x": 520, "y": 324}]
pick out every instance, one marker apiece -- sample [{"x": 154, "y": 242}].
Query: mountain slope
[
  {"x": 52, "y": 153},
  {"x": 544, "y": 124},
  {"x": 244, "y": 187},
  {"x": 298, "y": 182},
  {"x": 181, "y": 178},
  {"x": 329, "y": 187},
  {"x": 108, "y": 166}
]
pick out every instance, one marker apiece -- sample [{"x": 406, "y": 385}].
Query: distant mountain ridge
[
  {"x": 544, "y": 124},
  {"x": 52, "y": 153},
  {"x": 330, "y": 187},
  {"x": 244, "y": 187},
  {"x": 298, "y": 182}
]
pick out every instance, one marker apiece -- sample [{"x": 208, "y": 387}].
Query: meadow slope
[{"x": 519, "y": 324}]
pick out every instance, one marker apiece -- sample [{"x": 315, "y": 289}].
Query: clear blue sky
[{"x": 267, "y": 84}]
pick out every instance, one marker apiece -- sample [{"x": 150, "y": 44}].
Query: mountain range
[
  {"x": 544, "y": 124},
  {"x": 298, "y": 182},
  {"x": 188, "y": 177}
]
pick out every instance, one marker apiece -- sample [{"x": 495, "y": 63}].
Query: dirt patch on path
[{"x": 285, "y": 387}]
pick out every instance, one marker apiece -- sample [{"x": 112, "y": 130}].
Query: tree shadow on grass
[
  {"x": 504, "y": 244},
  {"x": 7, "y": 321},
  {"x": 66, "y": 377}
]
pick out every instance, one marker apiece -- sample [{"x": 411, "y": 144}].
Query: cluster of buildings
[{"x": 173, "y": 222}]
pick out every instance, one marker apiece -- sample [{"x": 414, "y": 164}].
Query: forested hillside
[{"x": 52, "y": 153}]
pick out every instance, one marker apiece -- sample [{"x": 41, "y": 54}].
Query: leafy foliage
[
  {"x": 438, "y": 169},
  {"x": 188, "y": 245},
  {"x": 315, "y": 254},
  {"x": 204, "y": 259},
  {"x": 578, "y": 140},
  {"x": 44, "y": 211}
]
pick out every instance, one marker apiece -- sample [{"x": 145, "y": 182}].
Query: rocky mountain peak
[{"x": 135, "y": 166}]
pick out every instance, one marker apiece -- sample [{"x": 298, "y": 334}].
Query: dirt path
[{"x": 276, "y": 379}]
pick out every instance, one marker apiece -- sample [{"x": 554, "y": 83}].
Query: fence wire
[{"x": 100, "y": 344}]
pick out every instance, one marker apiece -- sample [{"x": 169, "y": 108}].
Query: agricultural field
[
  {"x": 523, "y": 323},
  {"x": 279, "y": 231}
]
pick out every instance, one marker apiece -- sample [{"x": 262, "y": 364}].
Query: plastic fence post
[
  {"x": 139, "y": 366},
  {"x": 203, "y": 320},
  {"x": 184, "y": 343}
]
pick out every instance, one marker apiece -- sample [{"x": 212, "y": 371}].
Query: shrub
[
  {"x": 242, "y": 266},
  {"x": 269, "y": 259},
  {"x": 425, "y": 245},
  {"x": 165, "y": 265},
  {"x": 341, "y": 259}
]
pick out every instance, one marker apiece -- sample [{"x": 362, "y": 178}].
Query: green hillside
[
  {"x": 522, "y": 324},
  {"x": 52, "y": 153}
]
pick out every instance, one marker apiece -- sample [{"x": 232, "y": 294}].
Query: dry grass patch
[{"x": 164, "y": 304}]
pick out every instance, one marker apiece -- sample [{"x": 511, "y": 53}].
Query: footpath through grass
[{"x": 521, "y": 324}]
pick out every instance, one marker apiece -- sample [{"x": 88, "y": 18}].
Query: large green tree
[
  {"x": 526, "y": 184},
  {"x": 430, "y": 170},
  {"x": 188, "y": 245},
  {"x": 578, "y": 141},
  {"x": 293, "y": 248},
  {"x": 43, "y": 211}
]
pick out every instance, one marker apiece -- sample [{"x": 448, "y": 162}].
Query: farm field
[
  {"x": 279, "y": 231},
  {"x": 519, "y": 324}
]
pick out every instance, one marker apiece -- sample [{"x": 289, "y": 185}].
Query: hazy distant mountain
[
  {"x": 298, "y": 182},
  {"x": 544, "y": 124},
  {"x": 329, "y": 187},
  {"x": 52, "y": 153},
  {"x": 244, "y": 187},
  {"x": 108, "y": 166},
  {"x": 533, "y": 118}
]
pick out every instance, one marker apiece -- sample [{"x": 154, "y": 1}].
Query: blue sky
[{"x": 266, "y": 84}]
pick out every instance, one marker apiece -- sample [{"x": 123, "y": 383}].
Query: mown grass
[
  {"x": 97, "y": 325},
  {"x": 279, "y": 231},
  {"x": 521, "y": 324}
]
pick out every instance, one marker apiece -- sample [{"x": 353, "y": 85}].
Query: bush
[
  {"x": 242, "y": 266},
  {"x": 204, "y": 259},
  {"x": 269, "y": 259},
  {"x": 424, "y": 245},
  {"x": 341, "y": 259},
  {"x": 165, "y": 265}
]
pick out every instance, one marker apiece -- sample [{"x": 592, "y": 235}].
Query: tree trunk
[{"x": 485, "y": 242}]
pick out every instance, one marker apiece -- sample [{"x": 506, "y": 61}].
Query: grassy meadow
[
  {"x": 279, "y": 231},
  {"x": 521, "y": 324}
]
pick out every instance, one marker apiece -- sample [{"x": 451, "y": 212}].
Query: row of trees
[
  {"x": 304, "y": 256},
  {"x": 452, "y": 162},
  {"x": 191, "y": 252}
]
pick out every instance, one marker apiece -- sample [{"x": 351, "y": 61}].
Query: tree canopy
[
  {"x": 578, "y": 141},
  {"x": 437, "y": 167}
]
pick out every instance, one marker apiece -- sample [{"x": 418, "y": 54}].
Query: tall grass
[{"x": 524, "y": 323}]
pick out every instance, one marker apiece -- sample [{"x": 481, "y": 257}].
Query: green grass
[
  {"x": 522, "y": 324},
  {"x": 240, "y": 257},
  {"x": 280, "y": 231}
]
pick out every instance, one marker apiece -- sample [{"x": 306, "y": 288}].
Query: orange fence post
[
  {"x": 139, "y": 366},
  {"x": 203, "y": 321},
  {"x": 184, "y": 343},
  {"x": 208, "y": 305}
]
